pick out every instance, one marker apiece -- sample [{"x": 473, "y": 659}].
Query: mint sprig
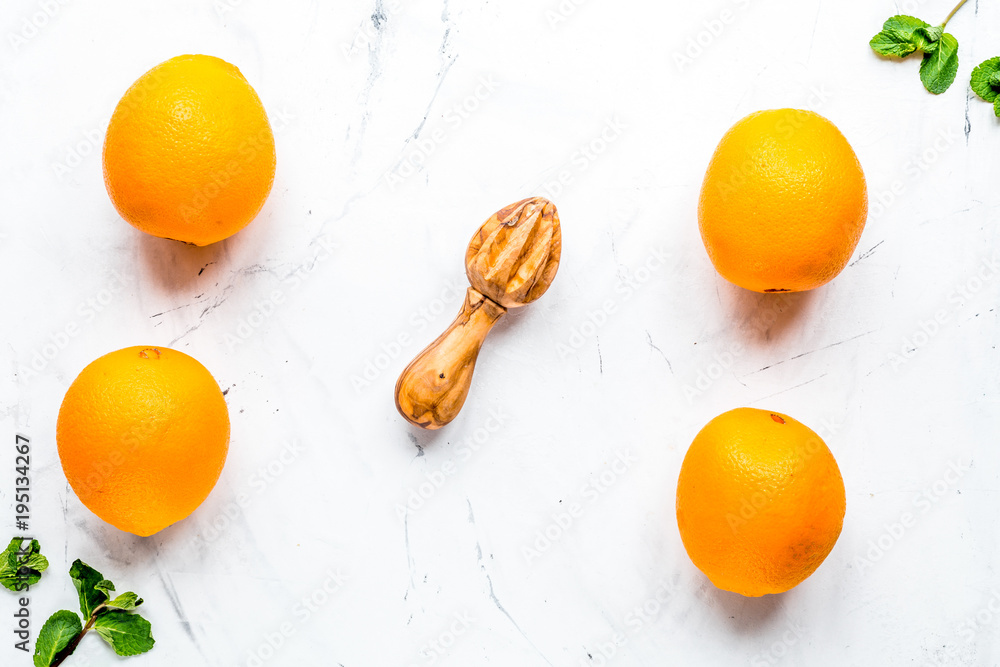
[
  {"x": 21, "y": 566},
  {"x": 125, "y": 631},
  {"x": 903, "y": 35},
  {"x": 986, "y": 82}
]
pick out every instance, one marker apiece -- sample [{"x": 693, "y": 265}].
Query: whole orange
[
  {"x": 783, "y": 203},
  {"x": 142, "y": 435},
  {"x": 760, "y": 501},
  {"x": 189, "y": 152}
]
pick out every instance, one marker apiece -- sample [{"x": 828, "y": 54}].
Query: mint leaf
[
  {"x": 897, "y": 36},
  {"x": 20, "y": 566},
  {"x": 939, "y": 68},
  {"x": 61, "y": 628},
  {"x": 125, "y": 601},
  {"x": 926, "y": 38},
  {"x": 986, "y": 79},
  {"x": 128, "y": 634},
  {"x": 86, "y": 579},
  {"x": 105, "y": 586},
  {"x": 904, "y": 25},
  {"x": 996, "y": 106},
  {"x": 889, "y": 44}
]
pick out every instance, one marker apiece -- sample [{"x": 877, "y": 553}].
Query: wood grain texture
[
  {"x": 514, "y": 256},
  {"x": 432, "y": 389},
  {"x": 511, "y": 261}
]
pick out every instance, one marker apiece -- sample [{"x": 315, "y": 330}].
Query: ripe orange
[
  {"x": 783, "y": 203},
  {"x": 189, "y": 153},
  {"x": 760, "y": 501},
  {"x": 142, "y": 435}
]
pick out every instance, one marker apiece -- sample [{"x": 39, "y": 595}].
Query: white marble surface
[{"x": 400, "y": 127}]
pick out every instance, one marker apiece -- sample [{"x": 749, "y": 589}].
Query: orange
[
  {"x": 760, "y": 501},
  {"x": 142, "y": 435},
  {"x": 189, "y": 153},
  {"x": 783, "y": 203}
]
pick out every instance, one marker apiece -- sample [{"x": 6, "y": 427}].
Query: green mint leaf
[
  {"x": 927, "y": 38},
  {"x": 904, "y": 25},
  {"x": 986, "y": 79},
  {"x": 128, "y": 634},
  {"x": 106, "y": 586},
  {"x": 126, "y": 601},
  {"x": 897, "y": 36},
  {"x": 61, "y": 628},
  {"x": 21, "y": 565},
  {"x": 888, "y": 44},
  {"x": 938, "y": 69},
  {"x": 86, "y": 580},
  {"x": 996, "y": 106}
]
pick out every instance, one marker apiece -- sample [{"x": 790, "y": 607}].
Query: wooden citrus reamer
[{"x": 510, "y": 262}]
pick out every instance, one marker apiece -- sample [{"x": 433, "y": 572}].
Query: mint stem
[
  {"x": 953, "y": 12},
  {"x": 68, "y": 651}
]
